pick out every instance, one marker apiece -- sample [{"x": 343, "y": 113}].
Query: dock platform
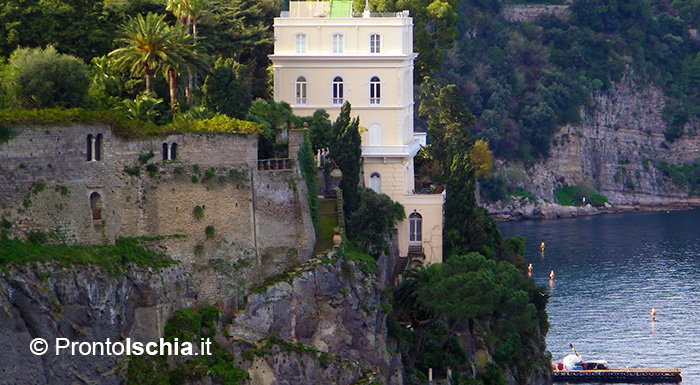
[{"x": 632, "y": 375}]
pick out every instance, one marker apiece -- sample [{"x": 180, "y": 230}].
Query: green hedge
[{"x": 122, "y": 126}]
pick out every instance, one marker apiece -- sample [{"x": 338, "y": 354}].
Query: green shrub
[
  {"x": 38, "y": 187},
  {"x": 45, "y": 78},
  {"x": 573, "y": 195},
  {"x": 210, "y": 232},
  {"x": 38, "y": 237},
  {"x": 194, "y": 179},
  {"x": 132, "y": 170},
  {"x": 144, "y": 157},
  {"x": 123, "y": 127},
  {"x": 198, "y": 212}
]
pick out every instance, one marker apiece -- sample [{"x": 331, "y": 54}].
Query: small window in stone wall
[
  {"x": 98, "y": 147},
  {"x": 96, "y": 206},
  {"x": 169, "y": 151},
  {"x": 94, "y": 148}
]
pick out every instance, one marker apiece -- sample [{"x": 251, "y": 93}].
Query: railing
[{"x": 275, "y": 164}]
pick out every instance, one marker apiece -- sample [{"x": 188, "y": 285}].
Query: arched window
[
  {"x": 337, "y": 43},
  {"x": 375, "y": 135},
  {"x": 300, "y": 90},
  {"x": 375, "y": 42},
  {"x": 169, "y": 151},
  {"x": 374, "y": 90},
  {"x": 94, "y": 148},
  {"x": 90, "y": 148},
  {"x": 96, "y": 206},
  {"x": 415, "y": 229},
  {"x": 300, "y": 43},
  {"x": 375, "y": 182},
  {"x": 98, "y": 147},
  {"x": 337, "y": 91}
]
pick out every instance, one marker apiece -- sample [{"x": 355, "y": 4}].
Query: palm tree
[
  {"x": 145, "y": 45},
  {"x": 181, "y": 57},
  {"x": 188, "y": 11}
]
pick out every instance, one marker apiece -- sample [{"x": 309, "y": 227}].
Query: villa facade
[{"x": 326, "y": 55}]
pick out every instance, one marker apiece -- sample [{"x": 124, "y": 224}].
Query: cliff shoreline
[{"x": 524, "y": 209}]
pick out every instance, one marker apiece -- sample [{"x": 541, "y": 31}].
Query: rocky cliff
[
  {"x": 617, "y": 148},
  {"x": 324, "y": 322},
  {"x": 83, "y": 304}
]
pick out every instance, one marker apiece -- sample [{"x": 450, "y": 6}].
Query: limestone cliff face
[
  {"x": 615, "y": 149},
  {"x": 81, "y": 304},
  {"x": 331, "y": 307},
  {"x": 320, "y": 324}
]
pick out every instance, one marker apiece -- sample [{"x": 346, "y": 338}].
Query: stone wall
[{"x": 258, "y": 221}]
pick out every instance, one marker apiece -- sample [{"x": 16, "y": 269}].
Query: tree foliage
[
  {"x": 346, "y": 151},
  {"x": 44, "y": 78},
  {"x": 227, "y": 90},
  {"x": 468, "y": 293},
  {"x": 373, "y": 218}
]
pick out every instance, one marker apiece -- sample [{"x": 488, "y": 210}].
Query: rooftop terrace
[{"x": 332, "y": 9}]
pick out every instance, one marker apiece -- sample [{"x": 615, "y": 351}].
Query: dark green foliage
[
  {"x": 82, "y": 28},
  {"x": 5, "y": 224},
  {"x": 346, "y": 152},
  {"x": 307, "y": 164},
  {"x": 146, "y": 156},
  {"x": 113, "y": 258},
  {"x": 46, "y": 79},
  {"x": 242, "y": 30},
  {"x": 198, "y": 212},
  {"x": 686, "y": 175},
  {"x": 6, "y": 133},
  {"x": 210, "y": 232},
  {"x": 320, "y": 128},
  {"x": 227, "y": 89},
  {"x": 38, "y": 237},
  {"x": 465, "y": 292},
  {"x": 271, "y": 116},
  {"x": 522, "y": 80},
  {"x": 370, "y": 222},
  {"x": 132, "y": 170},
  {"x": 38, "y": 187},
  {"x": 188, "y": 325}
]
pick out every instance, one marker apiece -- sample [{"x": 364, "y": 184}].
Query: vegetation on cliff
[
  {"x": 114, "y": 258},
  {"x": 188, "y": 325}
]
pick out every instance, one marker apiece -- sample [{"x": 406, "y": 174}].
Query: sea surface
[{"x": 610, "y": 271}]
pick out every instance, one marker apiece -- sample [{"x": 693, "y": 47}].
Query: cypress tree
[{"x": 346, "y": 152}]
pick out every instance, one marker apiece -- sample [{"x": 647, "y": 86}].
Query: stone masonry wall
[{"x": 258, "y": 220}]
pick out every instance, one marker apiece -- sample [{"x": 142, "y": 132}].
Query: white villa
[{"x": 324, "y": 55}]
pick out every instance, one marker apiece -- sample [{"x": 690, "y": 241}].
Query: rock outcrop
[
  {"x": 334, "y": 310},
  {"x": 616, "y": 150},
  {"x": 83, "y": 304}
]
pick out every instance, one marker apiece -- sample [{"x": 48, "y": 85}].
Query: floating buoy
[
  {"x": 542, "y": 246},
  {"x": 653, "y": 314},
  {"x": 551, "y": 274},
  {"x": 529, "y": 267}
]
